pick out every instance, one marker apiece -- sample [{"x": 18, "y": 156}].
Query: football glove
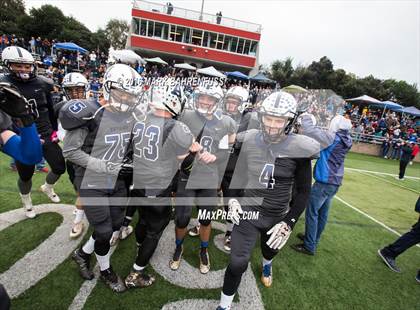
[
  {"x": 280, "y": 233},
  {"x": 15, "y": 105},
  {"x": 120, "y": 169},
  {"x": 235, "y": 210}
]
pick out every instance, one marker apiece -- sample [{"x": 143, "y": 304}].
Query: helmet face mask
[
  {"x": 273, "y": 127},
  {"x": 169, "y": 97},
  {"x": 232, "y": 105},
  {"x": 22, "y": 71},
  {"x": 75, "y": 86},
  {"x": 19, "y": 62},
  {"x": 75, "y": 92},
  {"x": 121, "y": 100},
  {"x": 121, "y": 88},
  {"x": 206, "y": 104},
  {"x": 277, "y": 116}
]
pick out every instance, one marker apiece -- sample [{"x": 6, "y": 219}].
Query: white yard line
[
  {"x": 387, "y": 181},
  {"x": 370, "y": 217},
  {"x": 383, "y": 173}
]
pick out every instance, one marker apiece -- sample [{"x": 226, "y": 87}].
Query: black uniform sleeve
[{"x": 301, "y": 191}]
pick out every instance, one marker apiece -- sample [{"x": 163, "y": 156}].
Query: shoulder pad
[
  {"x": 77, "y": 113},
  {"x": 300, "y": 146},
  {"x": 46, "y": 80}
]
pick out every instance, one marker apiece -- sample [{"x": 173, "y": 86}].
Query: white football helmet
[
  {"x": 279, "y": 105},
  {"x": 74, "y": 80},
  {"x": 18, "y": 55},
  {"x": 121, "y": 88},
  {"x": 213, "y": 94},
  {"x": 238, "y": 94},
  {"x": 168, "y": 97}
]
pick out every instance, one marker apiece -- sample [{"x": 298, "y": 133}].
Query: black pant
[
  {"x": 4, "y": 299},
  {"x": 404, "y": 242},
  {"x": 205, "y": 200},
  {"x": 106, "y": 217},
  {"x": 153, "y": 220},
  {"x": 403, "y": 166},
  {"x": 244, "y": 237}
]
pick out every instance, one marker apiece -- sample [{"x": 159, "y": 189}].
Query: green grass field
[{"x": 345, "y": 274}]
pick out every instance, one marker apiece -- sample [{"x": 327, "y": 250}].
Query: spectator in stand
[
  {"x": 406, "y": 152},
  {"x": 386, "y": 145},
  {"x": 32, "y": 43},
  {"x": 38, "y": 45},
  {"x": 92, "y": 58},
  {"x": 396, "y": 149}
]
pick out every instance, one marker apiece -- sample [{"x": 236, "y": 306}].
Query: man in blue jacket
[{"x": 328, "y": 173}]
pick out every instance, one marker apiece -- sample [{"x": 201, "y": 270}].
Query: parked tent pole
[{"x": 78, "y": 65}]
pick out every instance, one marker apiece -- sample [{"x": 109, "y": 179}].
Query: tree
[
  {"x": 281, "y": 71},
  {"x": 116, "y": 32},
  {"x": 10, "y": 11},
  {"x": 98, "y": 40},
  {"x": 322, "y": 71},
  {"x": 47, "y": 21}
]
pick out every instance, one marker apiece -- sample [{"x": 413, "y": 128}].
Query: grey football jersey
[
  {"x": 271, "y": 169},
  {"x": 213, "y": 136},
  {"x": 111, "y": 144},
  {"x": 157, "y": 142}
]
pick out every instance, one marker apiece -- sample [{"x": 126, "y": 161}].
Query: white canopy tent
[
  {"x": 156, "y": 60},
  {"x": 364, "y": 99},
  {"x": 185, "y": 66},
  {"x": 126, "y": 56},
  {"x": 211, "y": 71}
]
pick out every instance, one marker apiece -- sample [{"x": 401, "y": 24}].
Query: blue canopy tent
[
  {"x": 261, "y": 78},
  {"x": 392, "y": 105},
  {"x": 237, "y": 75},
  {"x": 70, "y": 46},
  {"x": 412, "y": 111}
]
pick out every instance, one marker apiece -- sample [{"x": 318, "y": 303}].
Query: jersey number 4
[{"x": 267, "y": 176}]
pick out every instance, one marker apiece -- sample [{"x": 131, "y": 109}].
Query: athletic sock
[
  {"x": 138, "y": 268},
  {"x": 266, "y": 261},
  {"x": 89, "y": 246},
  {"x": 104, "y": 261},
  {"x": 226, "y": 301},
  {"x": 79, "y": 216}
]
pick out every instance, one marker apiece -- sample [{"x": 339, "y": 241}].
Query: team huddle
[{"x": 143, "y": 148}]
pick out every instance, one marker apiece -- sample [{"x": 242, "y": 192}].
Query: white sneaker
[
  {"x": 76, "y": 230},
  {"x": 49, "y": 191},
  {"x": 125, "y": 232},
  {"x": 27, "y": 206}
]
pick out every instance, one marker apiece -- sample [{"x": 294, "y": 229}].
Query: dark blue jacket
[{"x": 329, "y": 168}]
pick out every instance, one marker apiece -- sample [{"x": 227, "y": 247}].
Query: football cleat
[
  {"x": 49, "y": 191},
  {"x": 27, "y": 205},
  {"x": 266, "y": 276},
  {"x": 226, "y": 245},
  {"x": 83, "y": 260},
  {"x": 176, "y": 258},
  {"x": 195, "y": 231},
  {"x": 76, "y": 230},
  {"x": 220, "y": 308},
  {"x": 204, "y": 261},
  {"x": 138, "y": 279},
  {"x": 110, "y": 278},
  {"x": 125, "y": 232}
]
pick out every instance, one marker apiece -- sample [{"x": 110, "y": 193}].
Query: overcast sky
[{"x": 363, "y": 37}]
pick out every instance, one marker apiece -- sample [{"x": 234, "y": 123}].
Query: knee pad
[
  {"x": 103, "y": 237},
  {"x": 182, "y": 221},
  {"x": 237, "y": 266},
  {"x": 205, "y": 222}
]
